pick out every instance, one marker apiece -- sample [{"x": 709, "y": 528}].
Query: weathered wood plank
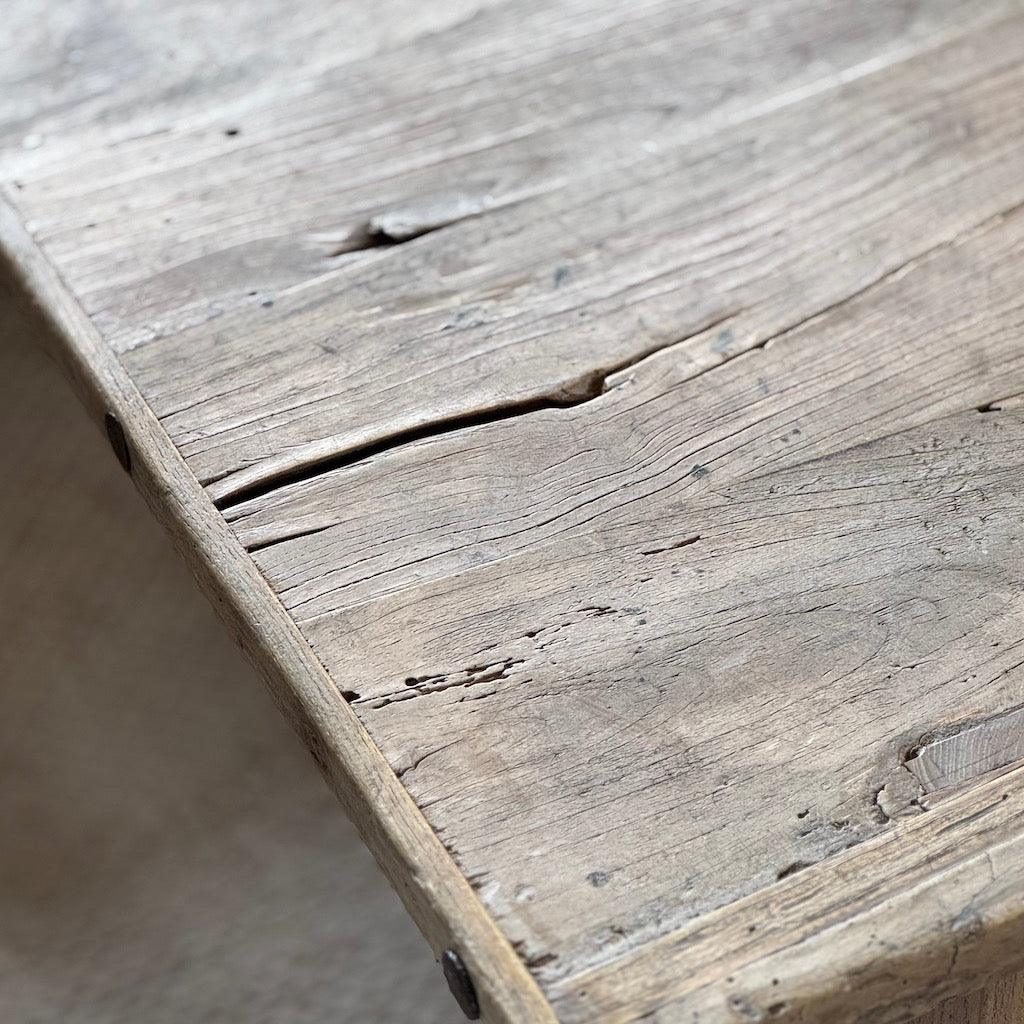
[
  {"x": 658, "y": 436},
  {"x": 648, "y": 246},
  {"x": 623, "y": 405},
  {"x": 1000, "y": 1003},
  {"x": 589, "y": 682},
  {"x": 843, "y": 945},
  {"x": 615, "y": 265},
  {"x": 408, "y": 852},
  {"x": 811, "y": 502},
  {"x": 427, "y": 98}
]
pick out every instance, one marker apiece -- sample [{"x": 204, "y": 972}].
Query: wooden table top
[{"x": 602, "y": 423}]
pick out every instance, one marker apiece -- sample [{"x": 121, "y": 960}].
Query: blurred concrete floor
[{"x": 167, "y": 851}]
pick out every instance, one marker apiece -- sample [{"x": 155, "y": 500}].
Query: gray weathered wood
[
  {"x": 410, "y": 855},
  {"x": 682, "y": 193},
  {"x": 1002, "y": 1003},
  {"x": 622, "y": 403},
  {"x": 970, "y": 751}
]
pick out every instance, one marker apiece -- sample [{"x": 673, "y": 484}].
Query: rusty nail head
[
  {"x": 460, "y": 983},
  {"x": 115, "y": 434}
]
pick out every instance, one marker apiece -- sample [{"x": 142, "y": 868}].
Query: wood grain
[
  {"x": 1000, "y": 1003},
  {"x": 622, "y": 405},
  {"x": 665, "y": 250},
  {"x": 856, "y": 950},
  {"x": 661, "y": 207},
  {"x": 162, "y": 833},
  {"x": 407, "y": 851},
  {"x": 891, "y": 629},
  {"x": 973, "y": 749},
  {"x": 656, "y": 436}
]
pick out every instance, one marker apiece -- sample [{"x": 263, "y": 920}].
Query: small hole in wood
[{"x": 792, "y": 869}]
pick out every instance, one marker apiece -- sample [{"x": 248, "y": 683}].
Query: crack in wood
[
  {"x": 417, "y": 686},
  {"x": 258, "y": 481},
  {"x": 684, "y": 543},
  {"x": 585, "y": 388},
  {"x": 404, "y": 224},
  {"x": 292, "y": 534}
]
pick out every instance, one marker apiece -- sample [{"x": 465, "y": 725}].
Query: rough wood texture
[
  {"x": 622, "y": 404},
  {"x": 1002, "y": 1003},
  {"x": 167, "y": 852},
  {"x": 409, "y": 854}
]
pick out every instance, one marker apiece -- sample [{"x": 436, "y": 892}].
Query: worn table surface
[{"x": 602, "y": 425}]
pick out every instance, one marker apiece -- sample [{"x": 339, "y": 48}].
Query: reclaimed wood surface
[
  {"x": 1001, "y": 1003},
  {"x": 167, "y": 853},
  {"x": 603, "y": 424}
]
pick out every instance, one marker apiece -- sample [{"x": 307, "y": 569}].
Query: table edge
[
  {"x": 435, "y": 893},
  {"x": 422, "y": 871}
]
